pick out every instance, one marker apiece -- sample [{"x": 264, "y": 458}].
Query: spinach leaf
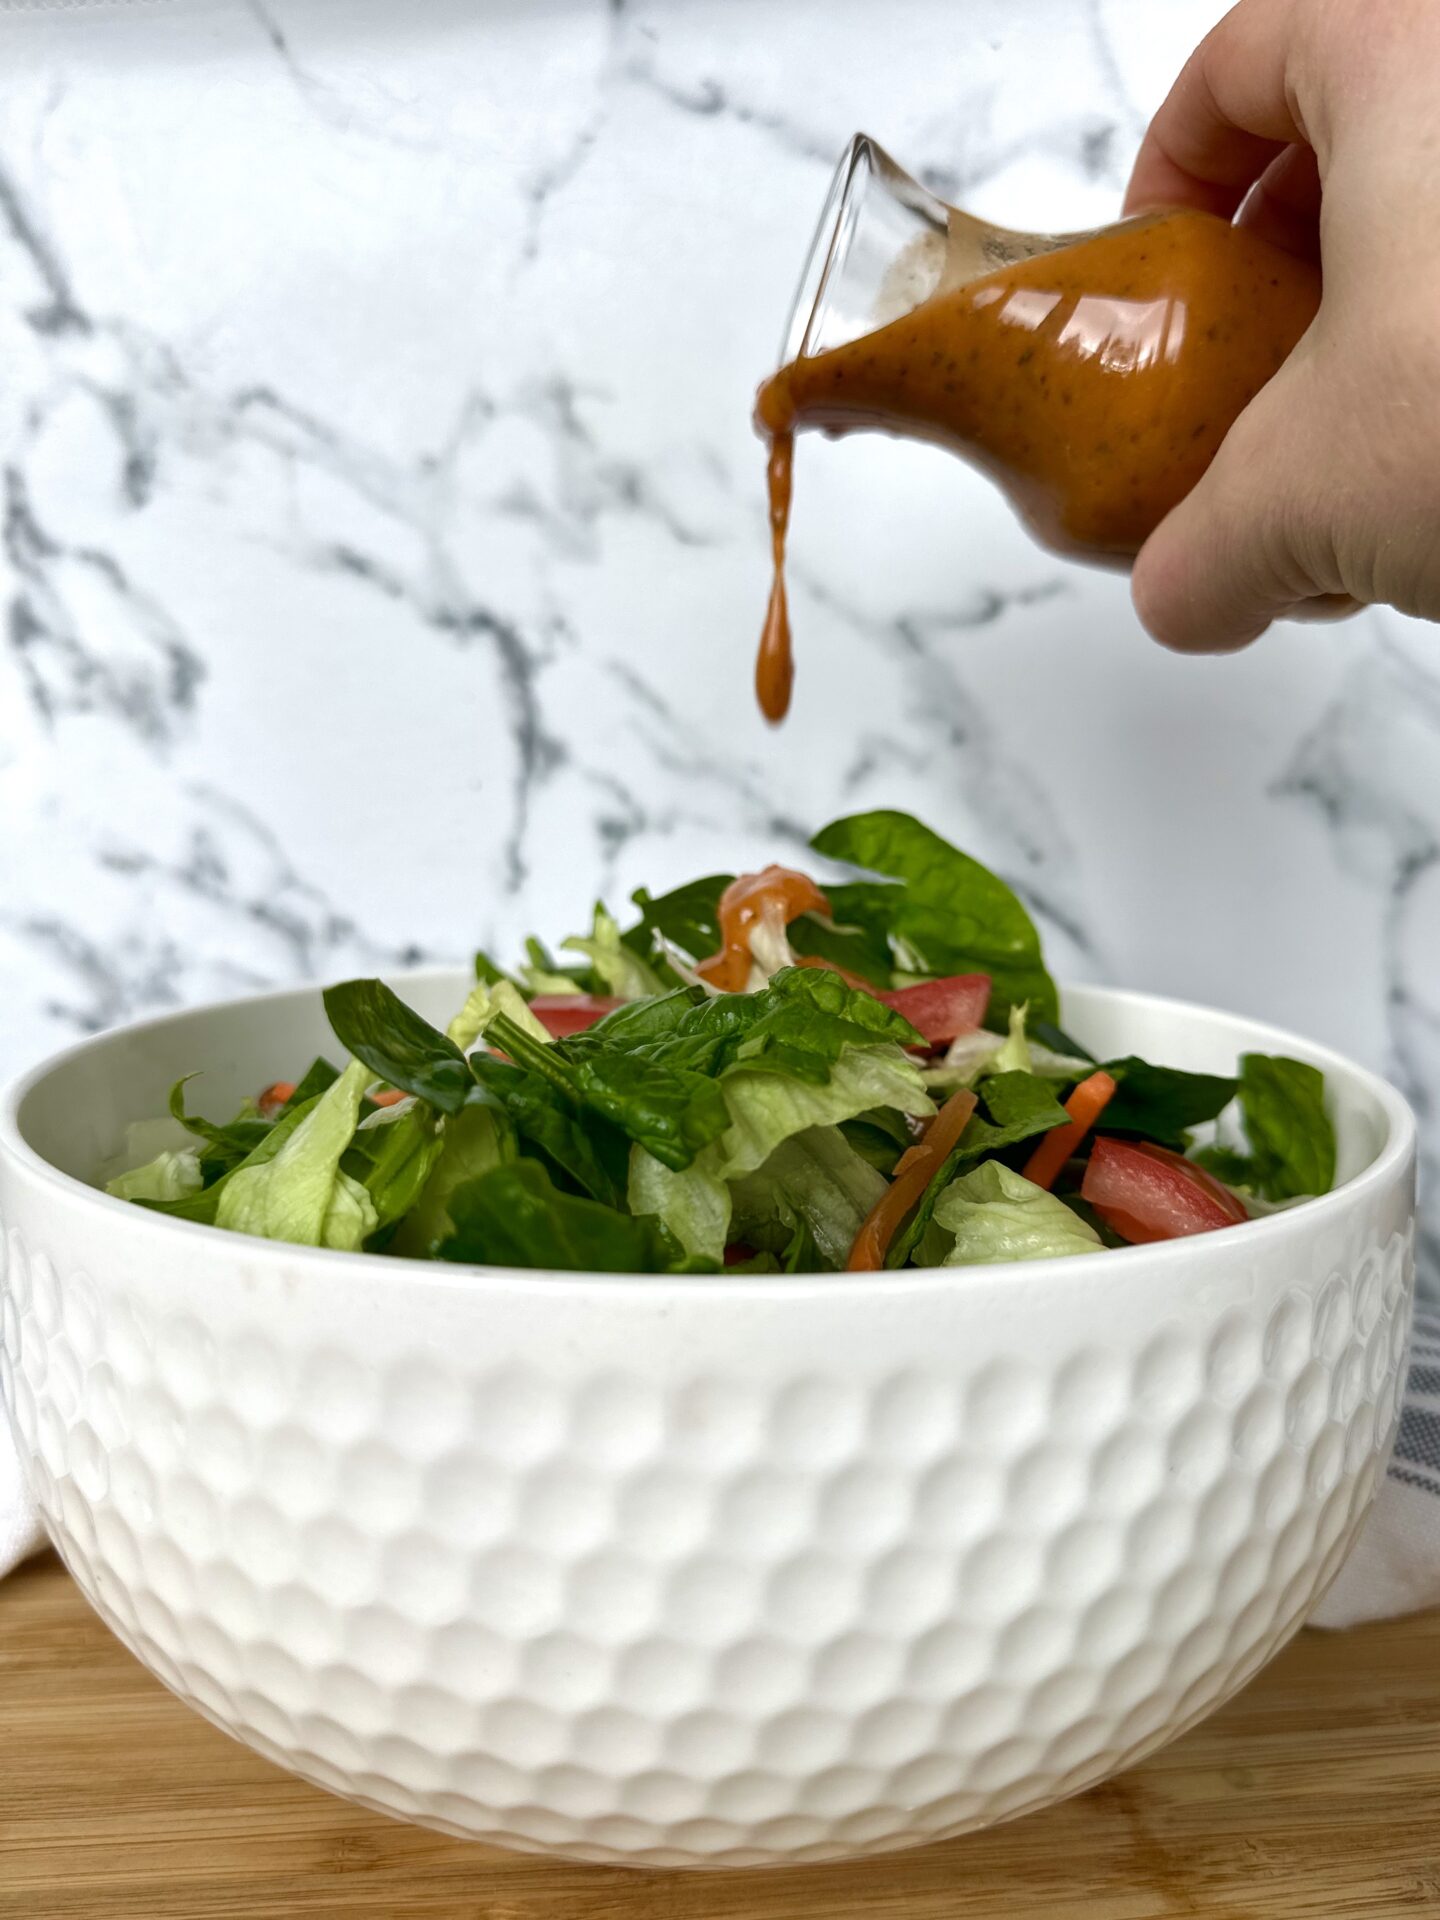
[
  {"x": 949, "y": 914},
  {"x": 317, "y": 1078},
  {"x": 1162, "y": 1103},
  {"x": 513, "y": 1216},
  {"x": 1283, "y": 1105},
  {"x": 397, "y": 1045},
  {"x": 799, "y": 1024},
  {"x": 582, "y": 1148},
  {"x": 672, "y": 1111},
  {"x": 1045, "y": 1033},
  {"x": 641, "y": 1021},
  {"x": 225, "y": 1146},
  {"x": 489, "y": 975},
  {"x": 688, "y": 917},
  {"x": 1292, "y": 1141},
  {"x": 1231, "y": 1164},
  {"x": 859, "y": 948},
  {"x": 1013, "y": 1107}
]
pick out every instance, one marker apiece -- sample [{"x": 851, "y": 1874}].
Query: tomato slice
[
  {"x": 943, "y": 1009},
  {"x": 1148, "y": 1193},
  {"x": 940, "y": 1010},
  {"x": 562, "y": 1014},
  {"x": 743, "y": 905}
]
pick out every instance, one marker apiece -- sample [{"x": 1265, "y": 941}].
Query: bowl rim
[{"x": 1270, "y": 1231}]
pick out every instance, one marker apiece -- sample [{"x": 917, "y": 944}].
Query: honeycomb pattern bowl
[{"x": 693, "y": 1571}]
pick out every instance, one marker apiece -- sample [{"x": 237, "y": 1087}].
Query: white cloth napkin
[{"x": 1394, "y": 1569}]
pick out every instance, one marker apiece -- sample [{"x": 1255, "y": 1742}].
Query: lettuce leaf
[
  {"x": 513, "y": 1216},
  {"x": 484, "y": 1002},
  {"x": 173, "y": 1174},
  {"x": 815, "y": 1178},
  {"x": 1014, "y": 1055},
  {"x": 946, "y": 912},
  {"x": 618, "y": 969},
  {"x": 403, "y": 1157},
  {"x": 301, "y": 1195},
  {"x": 994, "y": 1214},
  {"x": 694, "y": 1203},
  {"x": 316, "y": 1079},
  {"x": 766, "y": 1107},
  {"x": 1014, "y": 1107},
  {"x": 880, "y": 1135},
  {"x": 472, "y": 1141},
  {"x": 203, "y": 1207}
]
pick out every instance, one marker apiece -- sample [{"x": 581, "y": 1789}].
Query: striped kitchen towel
[{"x": 1395, "y": 1567}]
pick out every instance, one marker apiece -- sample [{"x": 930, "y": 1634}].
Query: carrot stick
[
  {"x": 1085, "y": 1106},
  {"x": 914, "y": 1171}
]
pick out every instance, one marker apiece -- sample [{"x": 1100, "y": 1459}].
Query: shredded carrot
[
  {"x": 274, "y": 1098},
  {"x": 387, "y": 1097},
  {"x": 1085, "y": 1106},
  {"x": 914, "y": 1171}
]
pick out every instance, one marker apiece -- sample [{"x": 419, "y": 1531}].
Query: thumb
[{"x": 1223, "y": 564}]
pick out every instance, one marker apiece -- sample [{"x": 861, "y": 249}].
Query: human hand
[{"x": 1320, "y": 121}]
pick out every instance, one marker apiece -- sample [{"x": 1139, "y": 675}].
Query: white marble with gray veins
[{"x": 384, "y": 535}]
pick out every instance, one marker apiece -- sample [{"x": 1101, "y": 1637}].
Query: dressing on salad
[{"x": 757, "y": 1074}]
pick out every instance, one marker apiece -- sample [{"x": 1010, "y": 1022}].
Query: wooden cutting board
[{"x": 1315, "y": 1796}]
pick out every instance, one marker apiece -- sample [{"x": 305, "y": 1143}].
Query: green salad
[{"x": 757, "y": 1074}]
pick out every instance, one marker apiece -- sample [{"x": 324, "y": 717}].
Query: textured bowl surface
[{"x": 693, "y": 1571}]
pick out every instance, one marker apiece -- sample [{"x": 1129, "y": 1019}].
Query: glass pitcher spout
[
  {"x": 1092, "y": 376},
  {"x": 883, "y": 246}
]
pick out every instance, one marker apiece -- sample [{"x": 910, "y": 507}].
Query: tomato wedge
[
  {"x": 942, "y": 1010},
  {"x": 939, "y": 1010},
  {"x": 562, "y": 1014},
  {"x": 1146, "y": 1193},
  {"x": 743, "y": 905},
  {"x": 913, "y": 1172}
]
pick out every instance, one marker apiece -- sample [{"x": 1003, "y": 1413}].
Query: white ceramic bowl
[{"x": 694, "y": 1570}]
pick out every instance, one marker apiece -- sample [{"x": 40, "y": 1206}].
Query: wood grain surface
[{"x": 1314, "y": 1796}]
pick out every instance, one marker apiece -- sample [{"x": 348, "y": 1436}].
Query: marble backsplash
[{"x": 384, "y": 532}]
